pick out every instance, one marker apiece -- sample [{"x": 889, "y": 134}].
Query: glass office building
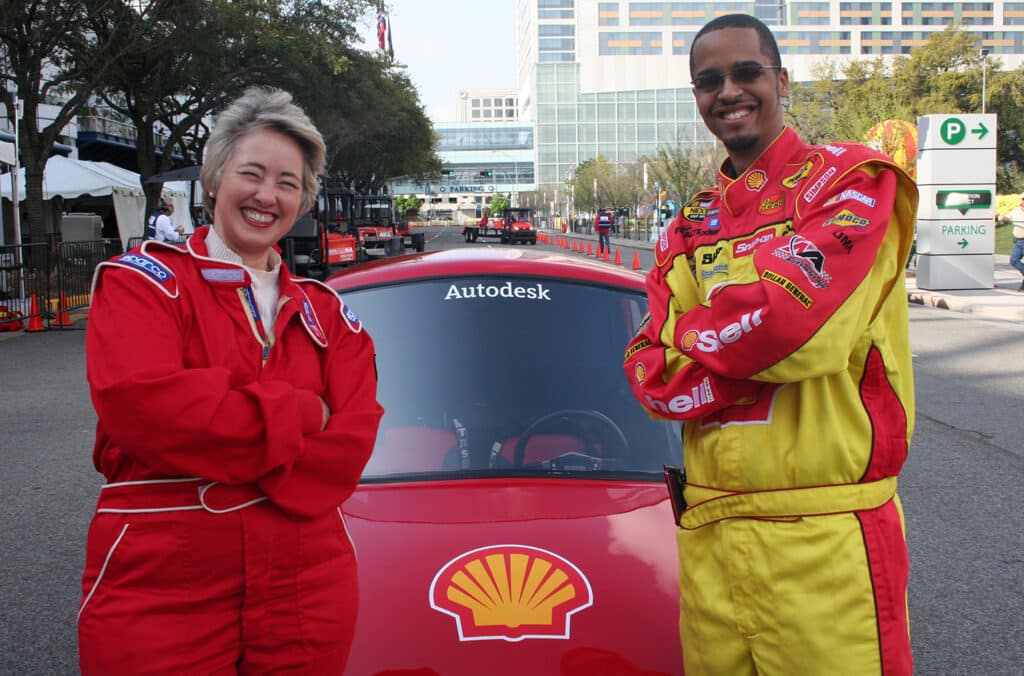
[{"x": 612, "y": 78}]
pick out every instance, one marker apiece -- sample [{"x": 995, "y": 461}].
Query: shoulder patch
[
  {"x": 349, "y": 315},
  {"x": 149, "y": 267}
]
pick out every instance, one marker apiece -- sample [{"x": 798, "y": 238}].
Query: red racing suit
[
  {"x": 778, "y": 332},
  {"x": 219, "y": 543}
]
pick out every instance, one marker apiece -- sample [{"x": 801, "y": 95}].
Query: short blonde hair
[{"x": 263, "y": 108}]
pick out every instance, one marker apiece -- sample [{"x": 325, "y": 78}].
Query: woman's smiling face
[{"x": 259, "y": 195}]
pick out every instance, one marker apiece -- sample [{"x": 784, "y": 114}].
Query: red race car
[{"x": 513, "y": 518}]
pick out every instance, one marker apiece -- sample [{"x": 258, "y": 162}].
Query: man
[
  {"x": 162, "y": 227},
  {"x": 603, "y": 226},
  {"x": 1016, "y": 217},
  {"x": 778, "y": 333}
]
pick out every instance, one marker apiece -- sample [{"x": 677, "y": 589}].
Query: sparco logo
[
  {"x": 684, "y": 403},
  {"x": 147, "y": 265},
  {"x": 711, "y": 341}
]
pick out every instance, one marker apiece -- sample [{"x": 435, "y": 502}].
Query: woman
[{"x": 236, "y": 410}]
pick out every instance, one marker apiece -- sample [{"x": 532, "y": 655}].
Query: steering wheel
[{"x": 519, "y": 455}]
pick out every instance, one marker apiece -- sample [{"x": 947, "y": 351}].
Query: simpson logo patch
[
  {"x": 802, "y": 253},
  {"x": 813, "y": 191},
  {"x": 790, "y": 288},
  {"x": 755, "y": 180},
  {"x": 510, "y": 593}
]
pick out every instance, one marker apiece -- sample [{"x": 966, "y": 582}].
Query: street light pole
[{"x": 984, "y": 72}]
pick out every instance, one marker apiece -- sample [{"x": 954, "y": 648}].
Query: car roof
[{"x": 490, "y": 261}]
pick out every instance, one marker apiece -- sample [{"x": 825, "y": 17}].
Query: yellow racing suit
[{"x": 778, "y": 332}]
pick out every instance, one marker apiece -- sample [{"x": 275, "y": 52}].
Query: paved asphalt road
[{"x": 963, "y": 490}]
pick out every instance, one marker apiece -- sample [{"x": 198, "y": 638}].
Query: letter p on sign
[{"x": 953, "y": 131}]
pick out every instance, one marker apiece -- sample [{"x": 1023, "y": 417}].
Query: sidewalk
[{"x": 1004, "y": 302}]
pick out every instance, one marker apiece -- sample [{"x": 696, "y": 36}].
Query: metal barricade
[
  {"x": 26, "y": 280},
  {"x": 76, "y": 262},
  {"x": 134, "y": 242}
]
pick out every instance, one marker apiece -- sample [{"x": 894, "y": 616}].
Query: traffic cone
[
  {"x": 35, "y": 320},
  {"x": 636, "y": 260},
  {"x": 590, "y": 248},
  {"x": 618, "y": 256},
  {"x": 607, "y": 256},
  {"x": 575, "y": 246},
  {"x": 63, "y": 319}
]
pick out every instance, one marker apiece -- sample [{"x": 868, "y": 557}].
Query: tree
[
  {"x": 943, "y": 76},
  {"x": 197, "y": 55},
  {"x": 499, "y": 203},
  {"x": 407, "y": 206},
  {"x": 46, "y": 58},
  {"x": 682, "y": 171}
]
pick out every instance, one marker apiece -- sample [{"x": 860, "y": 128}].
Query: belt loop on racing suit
[
  {"x": 784, "y": 502},
  {"x": 176, "y": 495}
]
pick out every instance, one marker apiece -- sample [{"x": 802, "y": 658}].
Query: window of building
[
  {"x": 567, "y": 133},
  {"x": 556, "y": 44},
  {"x": 476, "y": 114},
  {"x": 607, "y": 14},
  {"x": 487, "y": 103},
  {"x": 646, "y": 133},
  {"x": 619, "y": 43},
  {"x": 487, "y": 113},
  {"x": 510, "y": 102},
  {"x": 555, "y": 14},
  {"x": 499, "y": 113},
  {"x": 556, "y": 29},
  {"x": 626, "y": 112},
  {"x": 476, "y": 103},
  {"x": 545, "y": 4},
  {"x": 627, "y": 133},
  {"x": 555, "y": 57},
  {"x": 588, "y": 133}
]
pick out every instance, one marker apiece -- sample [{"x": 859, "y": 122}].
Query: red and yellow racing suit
[
  {"x": 778, "y": 332},
  {"x": 218, "y": 543}
]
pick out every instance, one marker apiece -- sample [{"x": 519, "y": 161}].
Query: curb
[{"x": 982, "y": 310}]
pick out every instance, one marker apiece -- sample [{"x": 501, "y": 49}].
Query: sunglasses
[{"x": 740, "y": 75}]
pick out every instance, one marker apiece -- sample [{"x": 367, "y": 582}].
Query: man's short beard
[{"x": 740, "y": 142}]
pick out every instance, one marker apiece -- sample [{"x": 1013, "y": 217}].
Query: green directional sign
[{"x": 953, "y": 130}]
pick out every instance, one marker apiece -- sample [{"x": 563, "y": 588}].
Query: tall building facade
[
  {"x": 487, "y": 105},
  {"x": 612, "y": 78}
]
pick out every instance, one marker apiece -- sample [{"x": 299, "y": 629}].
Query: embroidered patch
[
  {"x": 802, "y": 253},
  {"x": 351, "y": 318},
  {"x": 756, "y": 179},
  {"x": 803, "y": 172},
  {"x": 150, "y": 266},
  {"x": 309, "y": 318},
  {"x": 813, "y": 191},
  {"x": 223, "y": 274},
  {"x": 791, "y": 288}
]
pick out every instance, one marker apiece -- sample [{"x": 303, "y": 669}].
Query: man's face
[{"x": 746, "y": 116}]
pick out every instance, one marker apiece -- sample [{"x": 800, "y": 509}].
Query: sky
[{"x": 450, "y": 45}]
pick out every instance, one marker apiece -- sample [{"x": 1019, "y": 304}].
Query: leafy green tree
[
  {"x": 499, "y": 203},
  {"x": 407, "y": 206},
  {"x": 46, "y": 58},
  {"x": 682, "y": 171}
]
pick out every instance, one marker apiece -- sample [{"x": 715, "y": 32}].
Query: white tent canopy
[{"x": 68, "y": 178}]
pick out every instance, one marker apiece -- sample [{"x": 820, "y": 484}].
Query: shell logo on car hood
[{"x": 510, "y": 592}]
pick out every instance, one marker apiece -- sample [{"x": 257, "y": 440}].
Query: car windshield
[{"x": 510, "y": 376}]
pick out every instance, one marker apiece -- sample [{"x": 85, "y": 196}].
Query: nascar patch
[{"x": 851, "y": 194}]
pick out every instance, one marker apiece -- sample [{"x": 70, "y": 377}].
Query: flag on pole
[
  {"x": 391, "y": 47},
  {"x": 382, "y": 27}
]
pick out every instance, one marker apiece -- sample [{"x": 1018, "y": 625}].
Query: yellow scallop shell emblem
[{"x": 510, "y": 592}]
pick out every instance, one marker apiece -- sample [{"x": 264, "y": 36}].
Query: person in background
[
  {"x": 778, "y": 332},
  {"x": 236, "y": 410},
  {"x": 1016, "y": 218},
  {"x": 162, "y": 228},
  {"x": 603, "y": 226}
]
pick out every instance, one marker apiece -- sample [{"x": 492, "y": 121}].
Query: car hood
[{"x": 496, "y": 576}]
